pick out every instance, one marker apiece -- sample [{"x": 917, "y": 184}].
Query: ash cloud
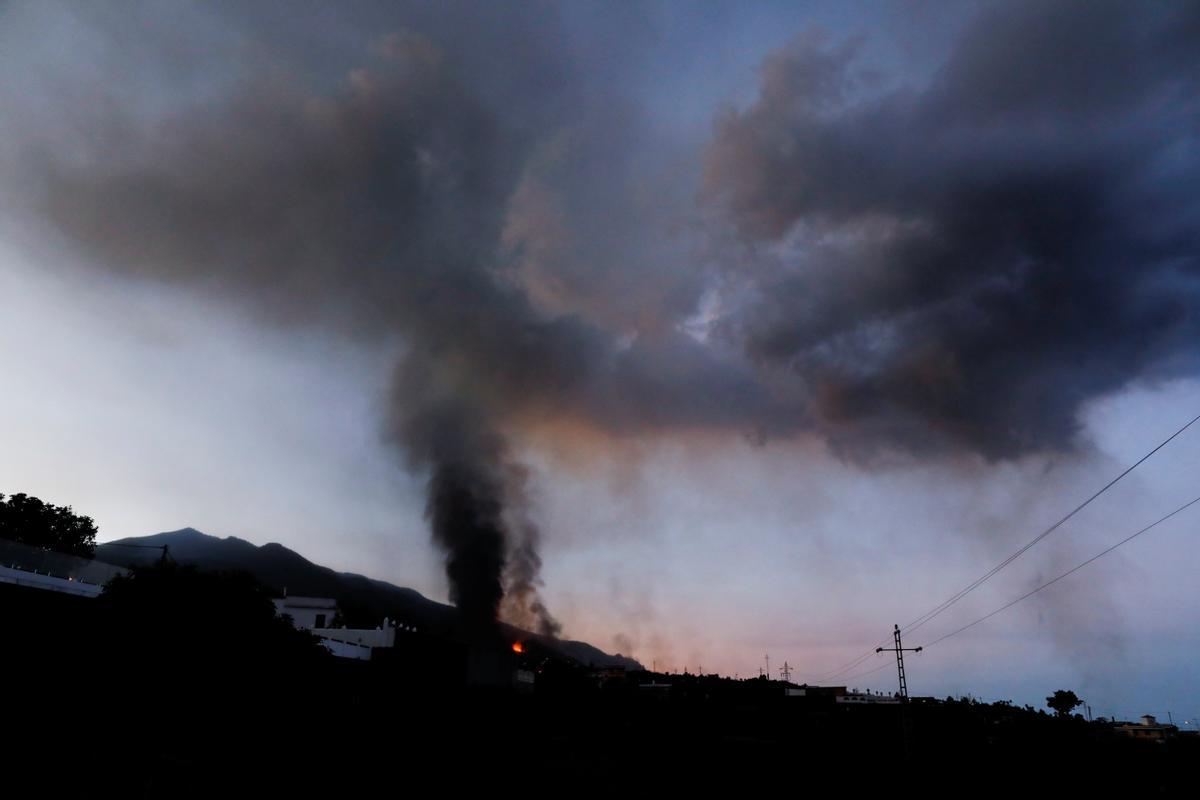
[
  {"x": 956, "y": 267},
  {"x": 390, "y": 203},
  {"x": 964, "y": 265}
]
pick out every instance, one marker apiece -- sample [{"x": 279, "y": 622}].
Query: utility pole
[
  {"x": 905, "y": 722},
  {"x": 768, "y": 658},
  {"x": 899, "y": 650},
  {"x": 786, "y": 672}
]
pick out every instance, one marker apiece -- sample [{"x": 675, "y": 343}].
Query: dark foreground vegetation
[{"x": 184, "y": 684}]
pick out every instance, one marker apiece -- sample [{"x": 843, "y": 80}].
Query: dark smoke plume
[
  {"x": 477, "y": 511},
  {"x": 465, "y": 504},
  {"x": 393, "y": 204},
  {"x": 397, "y": 203}
]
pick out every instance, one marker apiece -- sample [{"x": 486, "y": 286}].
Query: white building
[
  {"x": 855, "y": 697},
  {"x": 1149, "y": 728},
  {"x": 308, "y": 613},
  {"x": 316, "y": 615}
]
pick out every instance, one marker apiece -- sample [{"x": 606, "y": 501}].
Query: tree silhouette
[
  {"x": 30, "y": 521},
  {"x": 1063, "y": 702},
  {"x": 215, "y": 633},
  {"x": 172, "y": 606}
]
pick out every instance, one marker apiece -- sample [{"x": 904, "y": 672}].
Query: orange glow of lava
[{"x": 518, "y": 647}]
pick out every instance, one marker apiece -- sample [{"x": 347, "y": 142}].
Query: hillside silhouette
[{"x": 364, "y": 601}]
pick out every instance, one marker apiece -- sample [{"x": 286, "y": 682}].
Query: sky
[{"x": 699, "y": 333}]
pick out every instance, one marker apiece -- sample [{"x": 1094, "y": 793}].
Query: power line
[
  {"x": 1074, "y": 569},
  {"x": 884, "y": 665},
  {"x": 165, "y": 548},
  {"x": 849, "y": 665},
  {"x": 936, "y": 610}
]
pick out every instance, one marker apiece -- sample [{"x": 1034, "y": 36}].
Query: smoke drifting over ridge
[{"x": 956, "y": 267}]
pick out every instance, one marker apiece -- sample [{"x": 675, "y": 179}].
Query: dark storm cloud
[{"x": 966, "y": 264}]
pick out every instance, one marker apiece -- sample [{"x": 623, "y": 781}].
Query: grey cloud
[
  {"x": 967, "y": 264},
  {"x": 960, "y": 265}
]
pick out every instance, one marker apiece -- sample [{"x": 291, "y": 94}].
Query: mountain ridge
[{"x": 364, "y": 601}]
